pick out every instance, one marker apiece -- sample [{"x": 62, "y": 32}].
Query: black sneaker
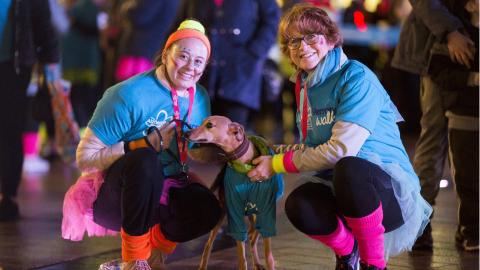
[
  {"x": 364, "y": 266},
  {"x": 425, "y": 241},
  {"x": 350, "y": 261},
  {"x": 464, "y": 242},
  {"x": 8, "y": 210}
]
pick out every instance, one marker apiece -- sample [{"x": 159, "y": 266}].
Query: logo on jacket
[
  {"x": 325, "y": 117},
  {"x": 161, "y": 119}
]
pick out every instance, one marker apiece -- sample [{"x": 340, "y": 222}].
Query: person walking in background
[
  {"x": 429, "y": 21},
  {"x": 241, "y": 32},
  {"x": 462, "y": 114},
  {"x": 364, "y": 199},
  {"x": 27, "y": 36},
  {"x": 39, "y": 108},
  {"x": 146, "y": 27},
  {"x": 81, "y": 57}
]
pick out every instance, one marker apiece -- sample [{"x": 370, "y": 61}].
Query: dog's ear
[{"x": 236, "y": 129}]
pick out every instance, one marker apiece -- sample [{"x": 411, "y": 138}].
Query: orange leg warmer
[
  {"x": 158, "y": 241},
  {"x": 135, "y": 247}
]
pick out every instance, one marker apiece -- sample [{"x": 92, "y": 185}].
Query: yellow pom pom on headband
[{"x": 189, "y": 29}]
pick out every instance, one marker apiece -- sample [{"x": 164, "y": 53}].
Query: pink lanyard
[
  {"x": 176, "y": 116},
  {"x": 304, "y": 110},
  {"x": 218, "y": 3}
]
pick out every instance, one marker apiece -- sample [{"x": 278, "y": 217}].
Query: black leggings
[
  {"x": 130, "y": 199},
  {"x": 130, "y": 194},
  {"x": 360, "y": 186},
  {"x": 13, "y": 108}
]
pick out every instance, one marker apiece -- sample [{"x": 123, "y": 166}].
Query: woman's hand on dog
[{"x": 263, "y": 169}]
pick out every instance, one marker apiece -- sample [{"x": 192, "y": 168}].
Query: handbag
[
  {"x": 67, "y": 135},
  {"x": 190, "y": 209}
]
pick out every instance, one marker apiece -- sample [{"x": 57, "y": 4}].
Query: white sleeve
[
  {"x": 347, "y": 140},
  {"x": 93, "y": 155}
]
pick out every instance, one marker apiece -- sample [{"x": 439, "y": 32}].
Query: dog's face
[{"x": 220, "y": 131}]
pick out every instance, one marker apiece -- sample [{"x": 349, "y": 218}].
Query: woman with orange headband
[{"x": 133, "y": 156}]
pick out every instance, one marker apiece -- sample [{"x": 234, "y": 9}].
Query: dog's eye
[{"x": 209, "y": 125}]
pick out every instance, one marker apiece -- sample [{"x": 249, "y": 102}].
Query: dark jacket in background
[
  {"x": 151, "y": 22},
  {"x": 241, "y": 34},
  {"x": 428, "y": 22},
  {"x": 35, "y": 38},
  {"x": 81, "y": 55},
  {"x": 451, "y": 76}
]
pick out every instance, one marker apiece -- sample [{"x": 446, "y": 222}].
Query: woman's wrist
[
  {"x": 277, "y": 163},
  {"x": 288, "y": 162},
  {"x": 132, "y": 145}
]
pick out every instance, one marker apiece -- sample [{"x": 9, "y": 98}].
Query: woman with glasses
[
  {"x": 134, "y": 155},
  {"x": 363, "y": 199}
]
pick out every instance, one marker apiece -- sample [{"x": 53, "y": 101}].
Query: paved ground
[{"x": 34, "y": 242}]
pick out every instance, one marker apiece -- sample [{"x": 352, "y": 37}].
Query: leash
[
  {"x": 182, "y": 151},
  {"x": 180, "y": 137},
  {"x": 302, "y": 109},
  {"x": 176, "y": 117}
]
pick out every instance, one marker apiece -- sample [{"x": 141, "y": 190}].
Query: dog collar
[
  {"x": 260, "y": 144},
  {"x": 240, "y": 151}
]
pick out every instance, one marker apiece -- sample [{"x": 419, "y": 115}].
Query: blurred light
[
  {"x": 443, "y": 183},
  {"x": 359, "y": 21},
  {"x": 341, "y": 4},
  {"x": 371, "y": 5}
]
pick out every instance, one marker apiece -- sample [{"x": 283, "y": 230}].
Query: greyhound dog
[{"x": 241, "y": 197}]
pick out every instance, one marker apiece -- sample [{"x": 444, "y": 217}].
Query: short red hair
[{"x": 308, "y": 19}]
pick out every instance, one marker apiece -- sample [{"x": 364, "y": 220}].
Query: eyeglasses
[{"x": 310, "y": 39}]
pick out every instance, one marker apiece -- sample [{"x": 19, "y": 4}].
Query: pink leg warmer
[
  {"x": 341, "y": 240},
  {"x": 30, "y": 143},
  {"x": 369, "y": 231}
]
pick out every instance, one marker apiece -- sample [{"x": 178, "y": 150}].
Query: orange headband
[{"x": 187, "y": 33}]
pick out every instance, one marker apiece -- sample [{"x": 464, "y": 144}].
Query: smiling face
[
  {"x": 296, "y": 29},
  {"x": 185, "y": 62},
  {"x": 310, "y": 51}
]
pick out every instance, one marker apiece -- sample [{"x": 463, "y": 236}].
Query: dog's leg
[
  {"x": 253, "y": 236},
  {"x": 209, "y": 244},
  {"x": 268, "y": 253},
  {"x": 242, "y": 259}
]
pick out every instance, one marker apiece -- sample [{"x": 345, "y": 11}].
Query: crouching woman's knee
[
  {"x": 350, "y": 174},
  {"x": 142, "y": 168},
  {"x": 311, "y": 209}
]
